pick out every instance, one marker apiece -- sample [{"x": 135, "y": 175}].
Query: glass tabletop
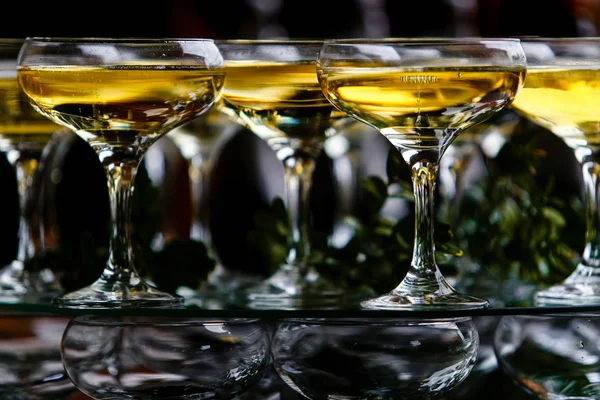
[{"x": 349, "y": 311}]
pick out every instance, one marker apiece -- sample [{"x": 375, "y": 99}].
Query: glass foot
[
  {"x": 219, "y": 290},
  {"x": 104, "y": 294},
  {"x": 582, "y": 287},
  {"x": 424, "y": 291},
  {"x": 224, "y": 282},
  {"x": 438, "y": 300},
  {"x": 287, "y": 289},
  {"x": 17, "y": 285}
]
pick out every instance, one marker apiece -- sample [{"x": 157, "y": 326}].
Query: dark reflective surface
[
  {"x": 30, "y": 359},
  {"x": 335, "y": 354}
]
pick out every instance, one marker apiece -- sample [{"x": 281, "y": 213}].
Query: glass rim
[
  {"x": 557, "y": 315},
  {"x": 423, "y": 40},
  {"x": 97, "y": 39},
  {"x": 566, "y": 39},
  {"x": 282, "y": 41},
  {"x": 366, "y": 321},
  {"x": 160, "y": 321}
]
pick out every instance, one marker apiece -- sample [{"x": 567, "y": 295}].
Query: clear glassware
[
  {"x": 551, "y": 356},
  {"x": 463, "y": 166},
  {"x": 30, "y": 359},
  {"x": 561, "y": 94},
  {"x": 421, "y": 94},
  {"x": 383, "y": 358},
  {"x": 120, "y": 95},
  {"x": 271, "y": 87},
  {"x": 345, "y": 151},
  {"x": 163, "y": 357},
  {"x": 200, "y": 142},
  {"x": 23, "y": 136}
]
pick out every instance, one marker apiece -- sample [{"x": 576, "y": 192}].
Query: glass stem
[
  {"x": 298, "y": 177},
  {"x": 591, "y": 175},
  {"x": 199, "y": 172},
  {"x": 345, "y": 172},
  {"x": 423, "y": 177},
  {"x": 120, "y": 176},
  {"x": 451, "y": 172},
  {"x": 25, "y": 164},
  {"x": 423, "y": 277}
]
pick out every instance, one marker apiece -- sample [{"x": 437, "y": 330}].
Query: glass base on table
[
  {"x": 18, "y": 285},
  {"x": 110, "y": 294},
  {"x": 287, "y": 289},
  {"x": 582, "y": 287},
  {"x": 440, "y": 296},
  {"x": 220, "y": 288}
]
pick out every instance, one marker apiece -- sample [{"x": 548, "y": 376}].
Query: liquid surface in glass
[
  {"x": 119, "y": 105},
  {"x": 420, "y": 108},
  {"x": 19, "y": 121},
  {"x": 278, "y": 101},
  {"x": 564, "y": 100}
]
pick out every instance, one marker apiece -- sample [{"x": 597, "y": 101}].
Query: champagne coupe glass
[
  {"x": 120, "y": 95},
  {"x": 383, "y": 358},
  {"x": 421, "y": 94},
  {"x": 271, "y": 87},
  {"x": 551, "y": 356},
  {"x": 23, "y": 136},
  {"x": 165, "y": 357},
  {"x": 562, "y": 94}
]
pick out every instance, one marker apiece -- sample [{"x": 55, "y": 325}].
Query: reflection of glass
[
  {"x": 463, "y": 167},
  {"x": 199, "y": 142},
  {"x": 382, "y": 359},
  {"x": 345, "y": 150},
  {"x": 120, "y": 95},
  {"x": 164, "y": 358},
  {"x": 457, "y": 159},
  {"x": 422, "y": 94},
  {"x": 272, "y": 88},
  {"x": 23, "y": 135},
  {"x": 551, "y": 356},
  {"x": 561, "y": 93},
  {"x": 30, "y": 359}
]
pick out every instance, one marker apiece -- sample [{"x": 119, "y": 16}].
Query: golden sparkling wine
[
  {"x": 278, "y": 101},
  {"x": 19, "y": 121},
  {"x": 421, "y": 108},
  {"x": 121, "y": 105},
  {"x": 565, "y": 101}
]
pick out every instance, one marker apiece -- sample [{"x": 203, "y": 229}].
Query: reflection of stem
[
  {"x": 591, "y": 177},
  {"x": 120, "y": 175},
  {"x": 25, "y": 164},
  {"x": 452, "y": 168},
  {"x": 298, "y": 177},
  {"x": 345, "y": 173},
  {"x": 114, "y": 356},
  {"x": 199, "y": 168}
]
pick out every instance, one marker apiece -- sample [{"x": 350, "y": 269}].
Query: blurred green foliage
[
  {"x": 517, "y": 226},
  {"x": 379, "y": 253},
  {"x": 511, "y": 226}
]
